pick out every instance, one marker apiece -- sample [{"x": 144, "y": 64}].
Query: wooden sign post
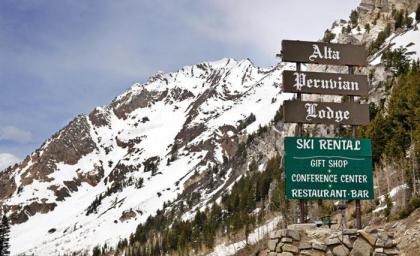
[{"x": 301, "y": 112}]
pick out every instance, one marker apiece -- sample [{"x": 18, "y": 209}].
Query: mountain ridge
[{"x": 98, "y": 155}]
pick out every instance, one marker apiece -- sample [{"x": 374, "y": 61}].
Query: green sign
[{"x": 328, "y": 168}]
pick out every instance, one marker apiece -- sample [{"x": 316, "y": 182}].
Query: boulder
[
  {"x": 380, "y": 243},
  {"x": 290, "y": 248},
  {"x": 332, "y": 241},
  {"x": 350, "y": 232},
  {"x": 372, "y": 230},
  {"x": 287, "y": 240},
  {"x": 379, "y": 254},
  {"x": 383, "y": 236},
  {"x": 285, "y": 254},
  {"x": 294, "y": 234},
  {"x": 312, "y": 253},
  {"x": 306, "y": 252},
  {"x": 279, "y": 246},
  {"x": 390, "y": 243},
  {"x": 346, "y": 241},
  {"x": 381, "y": 250},
  {"x": 340, "y": 250},
  {"x": 305, "y": 246},
  {"x": 302, "y": 227},
  {"x": 393, "y": 251},
  {"x": 370, "y": 238},
  {"x": 278, "y": 234},
  {"x": 319, "y": 247},
  {"x": 361, "y": 248},
  {"x": 272, "y": 244}
]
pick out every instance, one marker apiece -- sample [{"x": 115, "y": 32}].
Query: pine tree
[
  {"x": 353, "y": 18},
  {"x": 399, "y": 19},
  {"x": 4, "y": 237},
  {"x": 418, "y": 13},
  {"x": 367, "y": 27}
]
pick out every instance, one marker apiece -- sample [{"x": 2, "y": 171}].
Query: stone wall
[{"x": 326, "y": 242}]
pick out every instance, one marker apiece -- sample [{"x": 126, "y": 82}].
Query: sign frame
[
  {"x": 314, "y": 169},
  {"x": 325, "y": 83},
  {"x": 313, "y": 112},
  {"x": 323, "y": 53}
]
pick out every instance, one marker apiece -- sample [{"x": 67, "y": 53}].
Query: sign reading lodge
[
  {"x": 325, "y": 113},
  {"x": 328, "y": 168},
  {"x": 325, "y": 83},
  {"x": 323, "y": 53}
]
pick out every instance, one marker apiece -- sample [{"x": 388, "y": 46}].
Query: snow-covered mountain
[{"x": 102, "y": 174}]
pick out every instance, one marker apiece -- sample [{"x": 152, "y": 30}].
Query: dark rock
[
  {"x": 350, "y": 232},
  {"x": 294, "y": 234}
]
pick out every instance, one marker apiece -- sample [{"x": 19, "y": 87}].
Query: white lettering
[
  {"x": 343, "y": 144},
  {"x": 302, "y": 81},
  {"x": 327, "y": 53},
  {"x": 327, "y": 113}
]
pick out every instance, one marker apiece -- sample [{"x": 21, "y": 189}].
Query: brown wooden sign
[
  {"x": 323, "y": 53},
  {"x": 325, "y": 83},
  {"x": 325, "y": 113}
]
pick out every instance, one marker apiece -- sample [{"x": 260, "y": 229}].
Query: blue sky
[{"x": 62, "y": 58}]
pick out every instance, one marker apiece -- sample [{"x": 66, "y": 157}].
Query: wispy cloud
[
  {"x": 7, "y": 159},
  {"x": 11, "y": 133},
  {"x": 261, "y": 25},
  {"x": 62, "y": 58}
]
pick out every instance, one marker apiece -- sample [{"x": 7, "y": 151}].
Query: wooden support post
[
  {"x": 302, "y": 217},
  {"x": 353, "y": 135}
]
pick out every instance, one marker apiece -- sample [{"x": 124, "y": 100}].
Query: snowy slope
[
  {"x": 188, "y": 108},
  {"x": 409, "y": 39}
]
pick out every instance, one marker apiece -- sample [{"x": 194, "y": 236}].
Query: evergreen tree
[
  {"x": 348, "y": 29},
  {"x": 367, "y": 27},
  {"x": 399, "y": 19},
  {"x": 4, "y": 237},
  {"x": 388, "y": 203},
  {"x": 353, "y": 18},
  {"x": 328, "y": 36},
  {"x": 418, "y": 13}
]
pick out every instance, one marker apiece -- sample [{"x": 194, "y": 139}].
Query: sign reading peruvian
[
  {"x": 328, "y": 168},
  {"x": 323, "y": 53},
  {"x": 325, "y": 83},
  {"x": 325, "y": 113}
]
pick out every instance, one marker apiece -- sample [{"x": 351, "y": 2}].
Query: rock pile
[{"x": 326, "y": 242}]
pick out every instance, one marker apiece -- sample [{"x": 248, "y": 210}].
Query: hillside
[{"x": 119, "y": 164}]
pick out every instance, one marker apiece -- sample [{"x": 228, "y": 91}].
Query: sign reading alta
[
  {"x": 325, "y": 83},
  {"x": 328, "y": 168},
  {"x": 323, "y": 53},
  {"x": 325, "y": 113}
]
